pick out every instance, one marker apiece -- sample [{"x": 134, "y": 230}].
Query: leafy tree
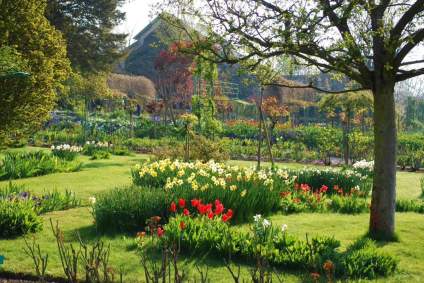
[
  {"x": 138, "y": 88},
  {"x": 367, "y": 41},
  {"x": 274, "y": 111},
  {"x": 349, "y": 105},
  {"x": 10, "y": 61},
  {"x": 25, "y": 103},
  {"x": 87, "y": 26},
  {"x": 204, "y": 108},
  {"x": 223, "y": 105},
  {"x": 174, "y": 81}
]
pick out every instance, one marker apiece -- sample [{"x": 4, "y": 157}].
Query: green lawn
[
  {"x": 97, "y": 176},
  {"x": 100, "y": 175}
]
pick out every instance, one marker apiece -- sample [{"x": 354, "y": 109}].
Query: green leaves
[
  {"x": 38, "y": 49},
  {"x": 18, "y": 218}
]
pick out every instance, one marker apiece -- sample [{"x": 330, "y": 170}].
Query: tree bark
[{"x": 382, "y": 218}]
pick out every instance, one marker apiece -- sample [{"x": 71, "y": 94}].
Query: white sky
[{"x": 137, "y": 16}]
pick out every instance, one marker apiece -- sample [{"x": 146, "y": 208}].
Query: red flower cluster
[
  {"x": 160, "y": 232},
  {"x": 337, "y": 189},
  {"x": 305, "y": 188},
  {"x": 203, "y": 209},
  {"x": 323, "y": 189}
]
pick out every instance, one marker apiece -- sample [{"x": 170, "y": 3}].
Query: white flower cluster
[
  {"x": 262, "y": 221},
  {"x": 363, "y": 164},
  {"x": 99, "y": 144},
  {"x": 66, "y": 147}
]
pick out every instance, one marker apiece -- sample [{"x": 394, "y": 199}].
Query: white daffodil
[
  {"x": 92, "y": 200},
  {"x": 257, "y": 217},
  {"x": 266, "y": 223}
]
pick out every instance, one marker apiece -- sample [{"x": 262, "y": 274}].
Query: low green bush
[
  {"x": 363, "y": 260},
  {"x": 100, "y": 154},
  {"x": 121, "y": 151},
  {"x": 307, "y": 201},
  {"x": 273, "y": 245},
  {"x": 66, "y": 152},
  {"x": 201, "y": 148},
  {"x": 348, "y": 205},
  {"x": 213, "y": 236},
  {"x": 335, "y": 180},
  {"x": 126, "y": 209},
  {"x": 16, "y": 165},
  {"x": 10, "y": 189},
  {"x": 422, "y": 186},
  {"x": 18, "y": 218},
  {"x": 411, "y": 151},
  {"x": 55, "y": 201},
  {"x": 414, "y": 205},
  {"x": 48, "y": 201}
]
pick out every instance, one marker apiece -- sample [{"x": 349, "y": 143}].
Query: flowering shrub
[
  {"x": 245, "y": 190},
  {"x": 66, "y": 151},
  {"x": 273, "y": 245},
  {"x": 97, "y": 150},
  {"x": 303, "y": 199},
  {"x": 366, "y": 168},
  {"x": 337, "y": 181}
]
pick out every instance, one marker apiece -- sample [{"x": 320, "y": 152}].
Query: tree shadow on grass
[
  {"x": 94, "y": 165},
  {"x": 138, "y": 160}
]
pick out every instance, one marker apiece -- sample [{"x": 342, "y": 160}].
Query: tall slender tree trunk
[{"x": 382, "y": 218}]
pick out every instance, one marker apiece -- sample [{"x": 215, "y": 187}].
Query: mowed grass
[{"x": 101, "y": 175}]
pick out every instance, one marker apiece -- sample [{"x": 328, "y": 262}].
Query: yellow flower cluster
[{"x": 202, "y": 176}]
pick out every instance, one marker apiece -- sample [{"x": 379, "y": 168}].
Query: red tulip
[
  {"x": 219, "y": 209},
  {"x": 186, "y": 212},
  {"x": 210, "y": 215},
  {"x": 195, "y": 202},
  {"x": 208, "y": 207},
  {"x": 201, "y": 208},
  {"x": 160, "y": 232},
  {"x": 323, "y": 189},
  {"x": 181, "y": 202},
  {"x": 173, "y": 207},
  {"x": 225, "y": 217},
  {"x": 230, "y": 213}
]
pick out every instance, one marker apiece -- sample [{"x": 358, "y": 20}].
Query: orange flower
[
  {"x": 315, "y": 276},
  {"x": 328, "y": 265},
  {"x": 182, "y": 225}
]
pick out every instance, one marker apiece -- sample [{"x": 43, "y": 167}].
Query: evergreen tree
[
  {"x": 87, "y": 26},
  {"x": 34, "y": 47}
]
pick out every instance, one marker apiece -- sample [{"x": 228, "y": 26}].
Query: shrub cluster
[
  {"x": 126, "y": 209},
  {"x": 247, "y": 191},
  {"x": 336, "y": 180},
  {"x": 19, "y": 209},
  {"x": 275, "y": 246},
  {"x": 18, "y": 218},
  {"x": 17, "y": 165},
  {"x": 66, "y": 151}
]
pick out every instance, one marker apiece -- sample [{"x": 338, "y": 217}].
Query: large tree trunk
[{"x": 382, "y": 219}]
